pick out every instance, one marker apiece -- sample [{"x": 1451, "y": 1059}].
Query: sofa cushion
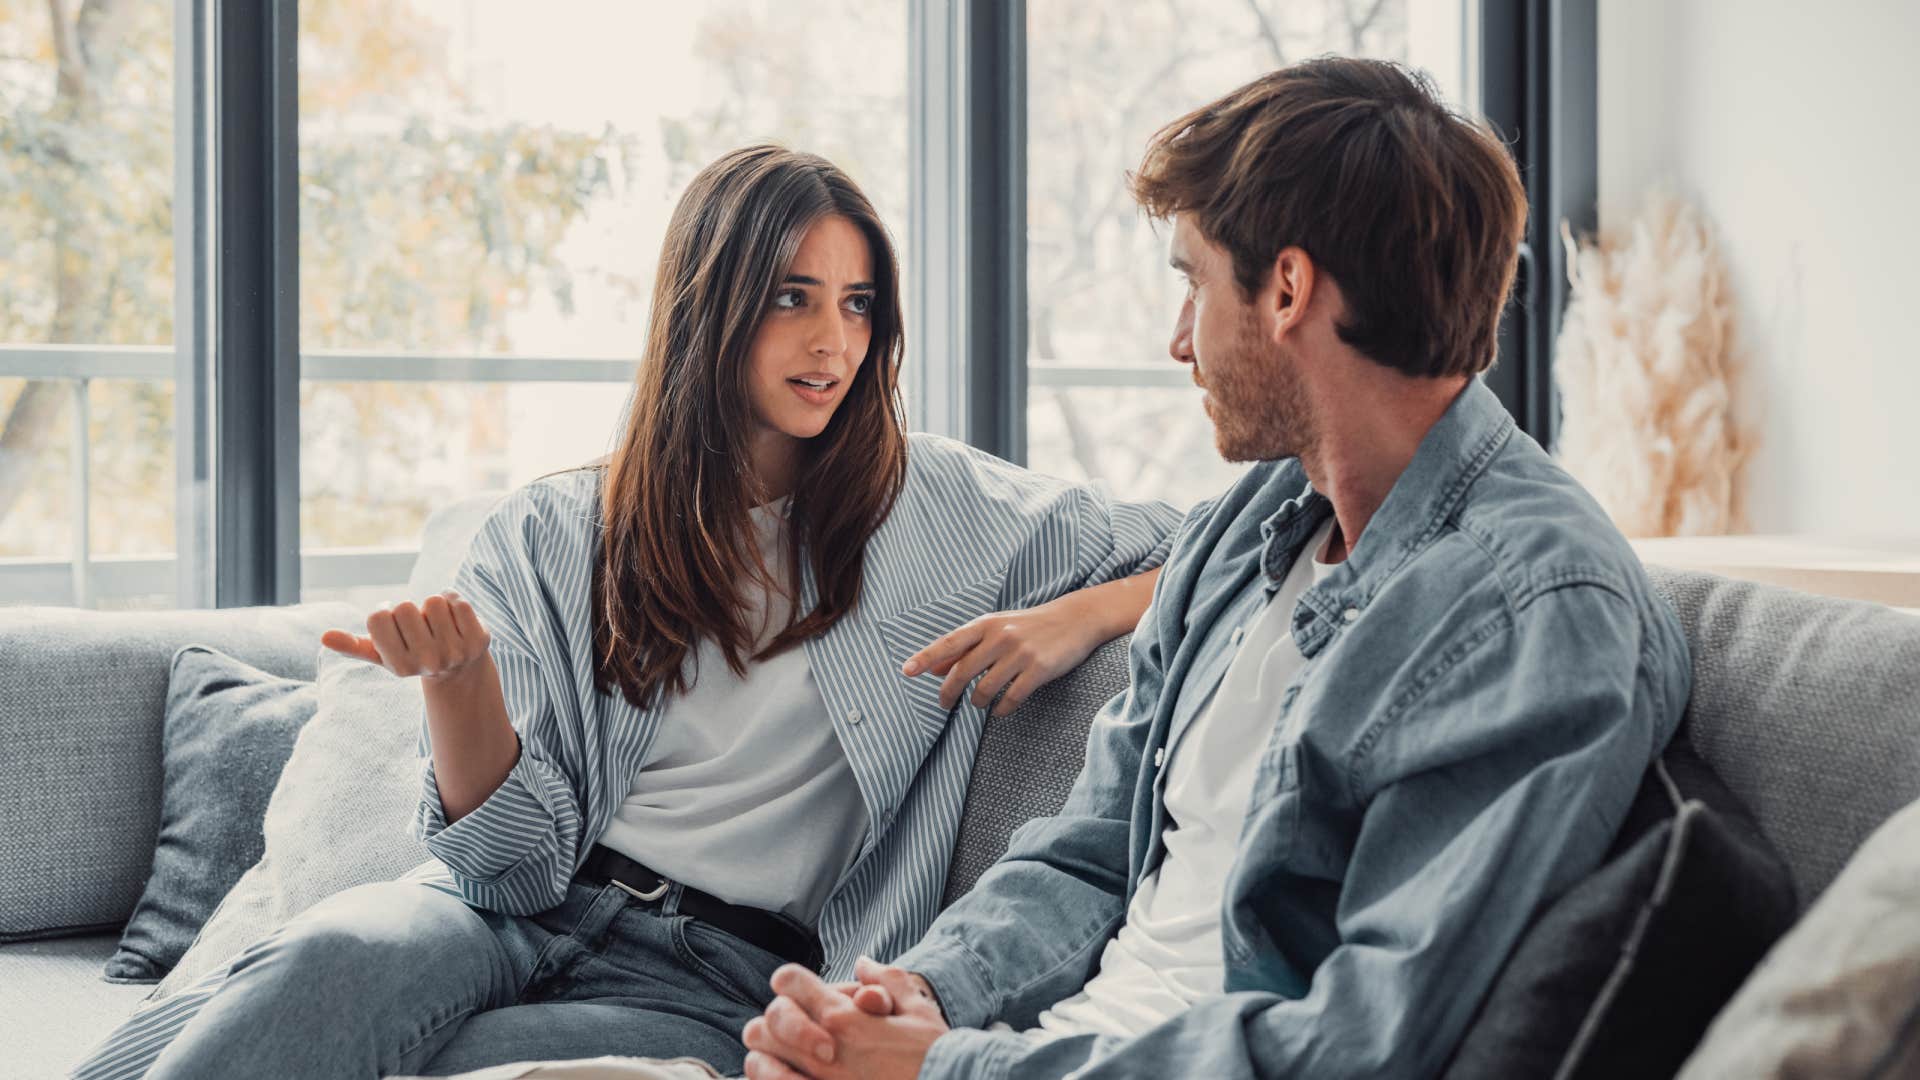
[
  {"x": 80, "y": 719},
  {"x": 229, "y": 729},
  {"x": 1622, "y": 974},
  {"x": 341, "y": 816},
  {"x": 56, "y": 1005},
  {"x": 1839, "y": 996},
  {"x": 1808, "y": 707},
  {"x": 1027, "y": 762}
]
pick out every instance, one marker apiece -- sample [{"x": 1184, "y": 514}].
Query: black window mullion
[
  {"x": 1538, "y": 87},
  {"x": 995, "y": 208},
  {"x": 256, "y": 361}
]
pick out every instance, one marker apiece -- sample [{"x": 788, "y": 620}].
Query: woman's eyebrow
[{"x": 802, "y": 279}]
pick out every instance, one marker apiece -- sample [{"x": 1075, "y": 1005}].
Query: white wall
[{"x": 1796, "y": 127}]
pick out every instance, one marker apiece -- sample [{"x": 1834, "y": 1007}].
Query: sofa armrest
[{"x": 82, "y": 696}]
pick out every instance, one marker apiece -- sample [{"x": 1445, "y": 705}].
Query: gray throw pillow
[
  {"x": 341, "y": 816},
  {"x": 228, "y": 730}
]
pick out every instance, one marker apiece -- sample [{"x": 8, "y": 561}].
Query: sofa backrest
[
  {"x": 82, "y": 697},
  {"x": 1807, "y": 707}
]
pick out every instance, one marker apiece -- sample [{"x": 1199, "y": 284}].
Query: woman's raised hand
[{"x": 437, "y": 638}]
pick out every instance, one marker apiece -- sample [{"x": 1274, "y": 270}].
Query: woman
[{"x": 679, "y": 730}]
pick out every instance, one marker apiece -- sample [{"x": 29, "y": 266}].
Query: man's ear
[{"x": 1289, "y": 290}]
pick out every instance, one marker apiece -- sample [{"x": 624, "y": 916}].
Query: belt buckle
[{"x": 649, "y": 896}]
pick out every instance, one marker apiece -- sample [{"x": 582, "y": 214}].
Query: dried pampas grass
[{"x": 1647, "y": 373}]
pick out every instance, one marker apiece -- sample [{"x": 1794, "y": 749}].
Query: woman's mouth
[{"x": 814, "y": 389}]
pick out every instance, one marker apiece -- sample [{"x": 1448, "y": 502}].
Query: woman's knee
[{"x": 381, "y": 925}]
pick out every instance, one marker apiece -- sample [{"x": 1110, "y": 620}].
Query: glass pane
[
  {"x": 86, "y": 272},
  {"x": 495, "y": 177},
  {"x": 1099, "y": 292}
]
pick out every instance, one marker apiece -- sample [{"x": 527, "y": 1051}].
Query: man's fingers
[
  {"x": 764, "y": 1066},
  {"x": 943, "y": 650},
  {"x": 873, "y": 1000},
  {"x": 791, "y": 1025},
  {"x": 350, "y": 644},
  {"x": 807, "y": 990},
  {"x": 903, "y": 987}
]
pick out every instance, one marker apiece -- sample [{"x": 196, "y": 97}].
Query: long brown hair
[{"x": 677, "y": 549}]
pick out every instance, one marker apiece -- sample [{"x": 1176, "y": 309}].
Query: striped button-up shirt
[{"x": 970, "y": 534}]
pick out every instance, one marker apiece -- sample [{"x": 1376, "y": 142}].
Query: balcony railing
[{"x": 85, "y": 580}]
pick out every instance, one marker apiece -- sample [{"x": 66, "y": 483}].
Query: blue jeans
[{"x": 404, "y": 978}]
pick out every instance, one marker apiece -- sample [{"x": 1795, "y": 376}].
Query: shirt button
[
  {"x": 1239, "y": 632},
  {"x": 853, "y": 716},
  {"x": 1159, "y": 756},
  {"x": 1351, "y": 614}
]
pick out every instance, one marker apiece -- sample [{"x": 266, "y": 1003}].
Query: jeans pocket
[{"x": 735, "y": 968}]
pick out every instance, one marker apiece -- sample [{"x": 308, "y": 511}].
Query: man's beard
[{"x": 1260, "y": 410}]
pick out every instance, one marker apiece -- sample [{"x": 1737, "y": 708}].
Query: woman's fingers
[
  {"x": 350, "y": 644},
  {"x": 427, "y": 651},
  {"x": 468, "y": 623},
  {"x": 1017, "y": 693},
  {"x": 438, "y": 615},
  {"x": 965, "y": 669},
  {"x": 386, "y": 638},
  {"x": 993, "y": 679},
  {"x": 943, "y": 650}
]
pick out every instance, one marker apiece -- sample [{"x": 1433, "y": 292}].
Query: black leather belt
[{"x": 777, "y": 934}]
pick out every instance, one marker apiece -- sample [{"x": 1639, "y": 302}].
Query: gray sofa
[{"x": 1808, "y": 708}]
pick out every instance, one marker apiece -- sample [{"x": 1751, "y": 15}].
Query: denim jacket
[{"x": 1487, "y": 676}]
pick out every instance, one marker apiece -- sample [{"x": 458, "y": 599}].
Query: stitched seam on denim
[
  {"x": 719, "y": 979},
  {"x": 1416, "y": 690},
  {"x": 1476, "y": 464},
  {"x": 459, "y": 1012},
  {"x": 1568, "y": 577}
]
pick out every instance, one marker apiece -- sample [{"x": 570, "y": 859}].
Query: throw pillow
[
  {"x": 341, "y": 816},
  {"x": 1622, "y": 974},
  {"x": 227, "y": 731},
  {"x": 1839, "y": 996}
]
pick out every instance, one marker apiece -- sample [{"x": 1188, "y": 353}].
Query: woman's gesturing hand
[
  {"x": 1013, "y": 651},
  {"x": 439, "y": 637}
]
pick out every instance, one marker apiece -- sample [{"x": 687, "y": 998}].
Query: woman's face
[{"x": 812, "y": 339}]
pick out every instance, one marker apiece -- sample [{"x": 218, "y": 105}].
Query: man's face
[{"x": 1253, "y": 391}]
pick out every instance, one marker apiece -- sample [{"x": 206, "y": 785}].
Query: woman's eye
[
  {"x": 860, "y": 305},
  {"x": 789, "y": 299}
]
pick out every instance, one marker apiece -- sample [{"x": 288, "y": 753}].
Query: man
[{"x": 1396, "y": 687}]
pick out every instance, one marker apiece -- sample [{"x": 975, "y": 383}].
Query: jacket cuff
[
  {"x": 496, "y": 836},
  {"x": 972, "y": 1054},
  {"x": 959, "y": 979}
]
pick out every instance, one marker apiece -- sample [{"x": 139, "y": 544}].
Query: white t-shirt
[
  {"x": 1167, "y": 955},
  {"x": 746, "y": 792}
]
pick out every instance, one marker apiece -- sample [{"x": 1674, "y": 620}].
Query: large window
[
  {"x": 1105, "y": 401},
  {"x": 485, "y": 185},
  {"x": 480, "y": 194},
  {"x": 86, "y": 303}
]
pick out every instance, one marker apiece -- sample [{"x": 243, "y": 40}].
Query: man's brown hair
[{"x": 1416, "y": 211}]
